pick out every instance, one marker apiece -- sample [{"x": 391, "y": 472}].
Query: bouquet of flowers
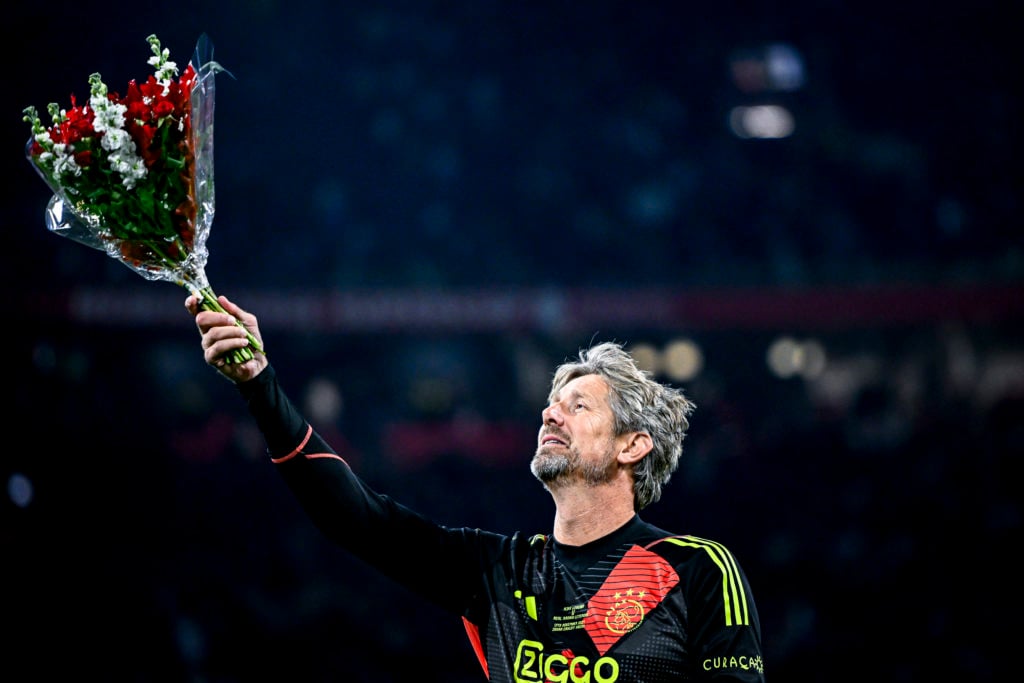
[{"x": 132, "y": 175}]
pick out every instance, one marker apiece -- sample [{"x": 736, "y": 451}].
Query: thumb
[
  {"x": 247, "y": 319},
  {"x": 234, "y": 309}
]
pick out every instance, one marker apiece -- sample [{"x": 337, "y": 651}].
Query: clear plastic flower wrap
[{"x": 132, "y": 176}]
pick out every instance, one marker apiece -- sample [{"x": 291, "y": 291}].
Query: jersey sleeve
[
  {"x": 722, "y": 621},
  {"x": 440, "y": 563}
]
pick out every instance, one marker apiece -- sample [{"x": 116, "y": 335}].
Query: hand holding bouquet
[{"x": 133, "y": 176}]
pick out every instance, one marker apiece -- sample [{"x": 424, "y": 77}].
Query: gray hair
[{"x": 638, "y": 404}]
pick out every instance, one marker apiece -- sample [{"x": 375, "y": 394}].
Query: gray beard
[{"x": 557, "y": 468}]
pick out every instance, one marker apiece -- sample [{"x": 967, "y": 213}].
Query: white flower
[
  {"x": 165, "y": 68},
  {"x": 109, "y": 115},
  {"x": 108, "y": 121},
  {"x": 117, "y": 139},
  {"x": 63, "y": 161},
  {"x": 123, "y": 159}
]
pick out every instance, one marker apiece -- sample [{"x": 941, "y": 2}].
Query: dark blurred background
[{"x": 805, "y": 213}]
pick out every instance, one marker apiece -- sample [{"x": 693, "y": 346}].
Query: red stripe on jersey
[
  {"x": 637, "y": 584},
  {"x": 473, "y": 631}
]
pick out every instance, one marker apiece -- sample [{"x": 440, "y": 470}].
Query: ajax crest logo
[{"x": 625, "y": 613}]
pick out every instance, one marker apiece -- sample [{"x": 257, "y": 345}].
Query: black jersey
[{"x": 640, "y": 604}]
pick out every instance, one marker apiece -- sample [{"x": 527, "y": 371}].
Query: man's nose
[{"x": 552, "y": 414}]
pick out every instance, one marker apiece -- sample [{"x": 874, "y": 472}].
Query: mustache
[{"x": 555, "y": 432}]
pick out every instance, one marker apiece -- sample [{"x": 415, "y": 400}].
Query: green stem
[{"x": 208, "y": 302}]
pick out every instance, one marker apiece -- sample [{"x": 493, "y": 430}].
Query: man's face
[{"x": 576, "y": 442}]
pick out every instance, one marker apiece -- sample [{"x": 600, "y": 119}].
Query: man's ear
[{"x": 635, "y": 447}]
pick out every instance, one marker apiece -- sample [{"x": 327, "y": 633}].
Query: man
[{"x": 605, "y": 597}]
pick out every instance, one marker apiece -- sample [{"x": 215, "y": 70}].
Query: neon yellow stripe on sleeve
[{"x": 733, "y": 594}]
